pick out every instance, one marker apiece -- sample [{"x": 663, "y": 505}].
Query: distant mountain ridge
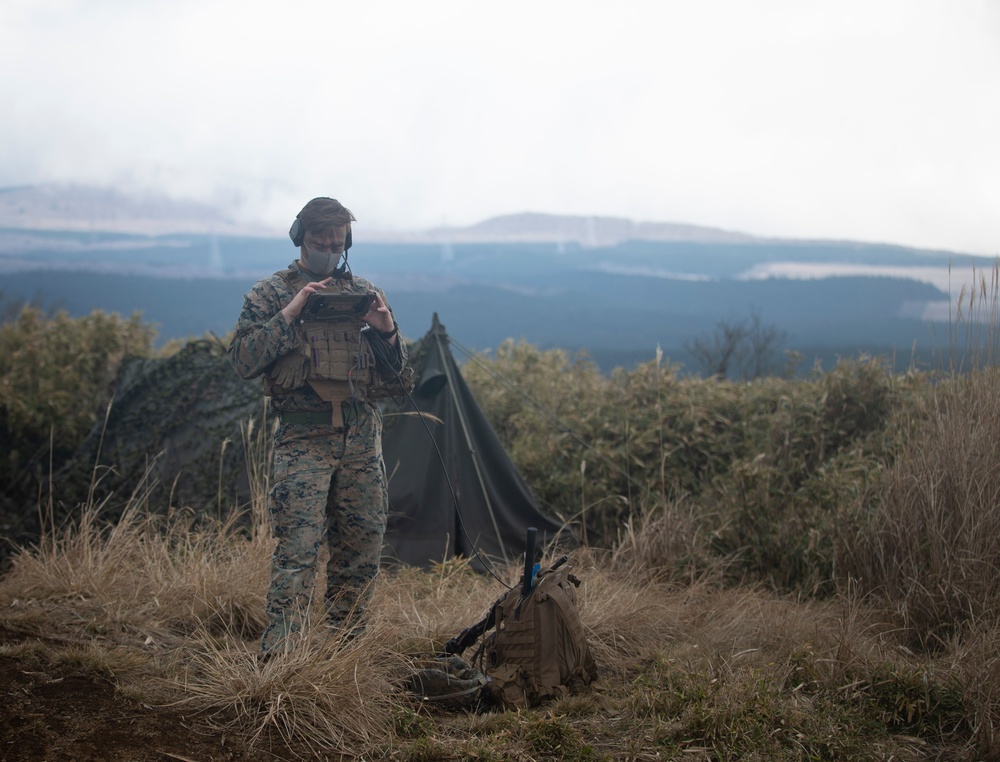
[
  {"x": 616, "y": 288},
  {"x": 589, "y": 231},
  {"x": 77, "y": 208}
]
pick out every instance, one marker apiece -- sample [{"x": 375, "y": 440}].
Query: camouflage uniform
[{"x": 329, "y": 481}]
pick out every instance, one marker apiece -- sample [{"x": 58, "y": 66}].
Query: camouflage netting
[{"x": 182, "y": 419}]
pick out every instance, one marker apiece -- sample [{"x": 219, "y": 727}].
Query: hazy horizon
[{"x": 852, "y": 121}]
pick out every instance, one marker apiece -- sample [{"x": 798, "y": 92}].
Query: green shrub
[
  {"x": 777, "y": 466},
  {"x": 56, "y": 373}
]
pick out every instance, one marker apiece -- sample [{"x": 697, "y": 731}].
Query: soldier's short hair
[{"x": 324, "y": 213}]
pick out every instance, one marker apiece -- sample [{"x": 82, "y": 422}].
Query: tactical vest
[{"x": 333, "y": 358}]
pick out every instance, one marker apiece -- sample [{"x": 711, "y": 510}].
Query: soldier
[{"x": 323, "y": 377}]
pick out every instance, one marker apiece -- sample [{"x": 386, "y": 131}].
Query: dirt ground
[{"x": 48, "y": 715}]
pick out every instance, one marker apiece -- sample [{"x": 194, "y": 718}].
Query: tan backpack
[{"x": 537, "y": 649}]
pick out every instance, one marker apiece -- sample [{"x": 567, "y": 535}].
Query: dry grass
[
  {"x": 161, "y": 575},
  {"x": 932, "y": 544},
  {"x": 169, "y": 612},
  {"x": 975, "y": 662},
  {"x": 327, "y": 694}
]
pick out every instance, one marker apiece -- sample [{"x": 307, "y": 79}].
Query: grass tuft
[{"x": 337, "y": 695}]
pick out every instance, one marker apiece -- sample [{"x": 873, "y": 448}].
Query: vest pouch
[
  {"x": 336, "y": 354},
  {"x": 333, "y": 392}
]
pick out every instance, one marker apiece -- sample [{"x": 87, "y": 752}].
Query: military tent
[{"x": 453, "y": 489}]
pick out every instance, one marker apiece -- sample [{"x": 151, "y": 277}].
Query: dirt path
[{"x": 49, "y": 714}]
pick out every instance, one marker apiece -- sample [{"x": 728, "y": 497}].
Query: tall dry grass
[
  {"x": 169, "y": 610},
  {"x": 929, "y": 544},
  {"x": 184, "y": 595}
]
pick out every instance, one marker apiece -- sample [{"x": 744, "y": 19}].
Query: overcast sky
[{"x": 875, "y": 120}]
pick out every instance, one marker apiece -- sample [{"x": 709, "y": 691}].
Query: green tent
[{"x": 453, "y": 490}]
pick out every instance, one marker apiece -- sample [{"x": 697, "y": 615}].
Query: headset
[{"x": 297, "y": 232}]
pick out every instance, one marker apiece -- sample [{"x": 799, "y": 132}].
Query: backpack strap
[{"x": 574, "y": 626}]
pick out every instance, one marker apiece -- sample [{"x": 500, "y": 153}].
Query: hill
[{"x": 107, "y": 210}]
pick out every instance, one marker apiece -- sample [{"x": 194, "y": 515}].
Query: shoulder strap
[
  {"x": 293, "y": 277},
  {"x": 574, "y": 626}
]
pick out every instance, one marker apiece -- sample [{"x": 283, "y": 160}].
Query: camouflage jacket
[{"x": 262, "y": 335}]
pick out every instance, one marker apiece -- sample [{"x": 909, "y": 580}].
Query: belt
[
  {"x": 324, "y": 418},
  {"x": 338, "y": 416}
]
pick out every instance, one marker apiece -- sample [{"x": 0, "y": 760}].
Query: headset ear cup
[
  {"x": 347, "y": 240},
  {"x": 297, "y": 232}
]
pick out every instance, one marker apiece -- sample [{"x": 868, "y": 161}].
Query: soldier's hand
[
  {"x": 294, "y": 308},
  {"x": 378, "y": 315}
]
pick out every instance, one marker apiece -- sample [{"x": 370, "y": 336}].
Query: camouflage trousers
[{"x": 329, "y": 487}]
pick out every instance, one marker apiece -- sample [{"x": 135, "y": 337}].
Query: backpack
[{"x": 537, "y": 649}]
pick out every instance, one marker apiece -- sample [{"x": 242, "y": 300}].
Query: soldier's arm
[
  {"x": 262, "y": 333},
  {"x": 398, "y": 350}
]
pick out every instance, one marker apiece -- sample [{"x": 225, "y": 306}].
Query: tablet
[{"x": 323, "y": 305}]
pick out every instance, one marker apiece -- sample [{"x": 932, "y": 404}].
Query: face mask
[{"x": 320, "y": 262}]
